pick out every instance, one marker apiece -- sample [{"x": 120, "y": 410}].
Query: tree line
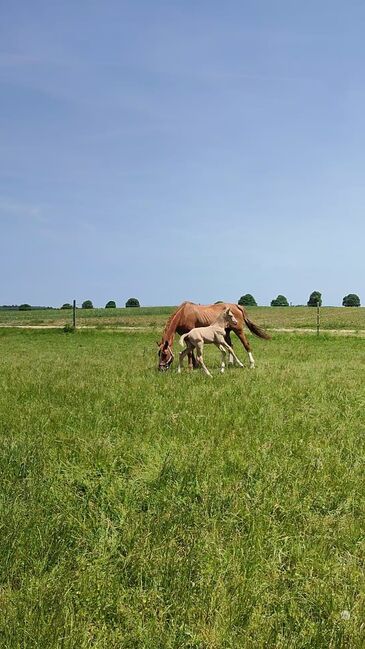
[
  {"x": 87, "y": 304},
  {"x": 315, "y": 299}
]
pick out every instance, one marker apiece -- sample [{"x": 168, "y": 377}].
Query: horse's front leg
[{"x": 191, "y": 360}]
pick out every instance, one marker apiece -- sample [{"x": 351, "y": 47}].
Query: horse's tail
[
  {"x": 254, "y": 328},
  {"x": 181, "y": 341}
]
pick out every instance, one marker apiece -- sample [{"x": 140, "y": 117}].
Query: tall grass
[{"x": 146, "y": 510}]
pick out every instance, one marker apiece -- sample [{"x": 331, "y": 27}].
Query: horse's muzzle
[{"x": 164, "y": 367}]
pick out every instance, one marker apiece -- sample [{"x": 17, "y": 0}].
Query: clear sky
[{"x": 173, "y": 150}]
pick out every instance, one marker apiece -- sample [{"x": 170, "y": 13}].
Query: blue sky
[{"x": 181, "y": 150}]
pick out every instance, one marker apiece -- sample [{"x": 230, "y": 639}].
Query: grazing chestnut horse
[
  {"x": 189, "y": 315},
  {"x": 214, "y": 333}
]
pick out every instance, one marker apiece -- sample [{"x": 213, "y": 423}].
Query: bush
[
  {"x": 25, "y": 307},
  {"x": 111, "y": 305},
  {"x": 66, "y": 306},
  {"x": 280, "y": 301},
  {"x": 132, "y": 302},
  {"x": 315, "y": 298},
  {"x": 351, "y": 300},
  {"x": 87, "y": 304},
  {"x": 247, "y": 300}
]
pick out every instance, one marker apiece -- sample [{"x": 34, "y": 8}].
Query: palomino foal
[{"x": 214, "y": 333}]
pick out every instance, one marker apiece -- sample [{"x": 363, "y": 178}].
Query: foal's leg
[
  {"x": 246, "y": 344},
  {"x": 224, "y": 354},
  {"x": 199, "y": 354},
  {"x": 182, "y": 356},
  {"x": 230, "y": 350},
  {"x": 229, "y": 342}
]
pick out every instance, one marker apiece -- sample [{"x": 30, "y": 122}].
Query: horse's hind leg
[
  {"x": 192, "y": 361},
  {"x": 246, "y": 344}
]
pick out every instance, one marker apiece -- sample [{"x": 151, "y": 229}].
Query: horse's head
[
  {"x": 229, "y": 317},
  {"x": 165, "y": 355}
]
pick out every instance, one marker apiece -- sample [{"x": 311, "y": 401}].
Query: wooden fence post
[
  {"x": 318, "y": 318},
  {"x": 74, "y": 314}
]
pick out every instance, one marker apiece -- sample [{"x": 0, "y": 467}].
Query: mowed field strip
[
  {"x": 149, "y": 510},
  {"x": 273, "y": 318}
]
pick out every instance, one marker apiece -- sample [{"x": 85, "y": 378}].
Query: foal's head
[
  {"x": 165, "y": 355},
  {"x": 229, "y": 317}
]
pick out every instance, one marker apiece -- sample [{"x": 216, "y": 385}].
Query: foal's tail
[
  {"x": 254, "y": 328},
  {"x": 181, "y": 341}
]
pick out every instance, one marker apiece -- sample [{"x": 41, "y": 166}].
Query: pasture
[
  {"x": 337, "y": 318},
  {"x": 154, "y": 511}
]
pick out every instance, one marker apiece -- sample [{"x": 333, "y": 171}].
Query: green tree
[
  {"x": 132, "y": 302},
  {"x": 66, "y": 306},
  {"x": 315, "y": 298},
  {"x": 247, "y": 300},
  {"x": 111, "y": 305},
  {"x": 351, "y": 300},
  {"x": 280, "y": 301},
  {"x": 25, "y": 307},
  {"x": 87, "y": 304}
]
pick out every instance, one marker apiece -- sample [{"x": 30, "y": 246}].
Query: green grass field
[
  {"x": 142, "y": 510},
  {"x": 270, "y": 317}
]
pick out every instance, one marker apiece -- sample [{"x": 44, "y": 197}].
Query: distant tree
[
  {"x": 351, "y": 300},
  {"x": 219, "y": 302},
  {"x": 247, "y": 300},
  {"x": 87, "y": 304},
  {"x": 25, "y": 307},
  {"x": 280, "y": 301},
  {"x": 110, "y": 305},
  {"x": 132, "y": 302},
  {"x": 66, "y": 306},
  {"x": 314, "y": 298}
]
